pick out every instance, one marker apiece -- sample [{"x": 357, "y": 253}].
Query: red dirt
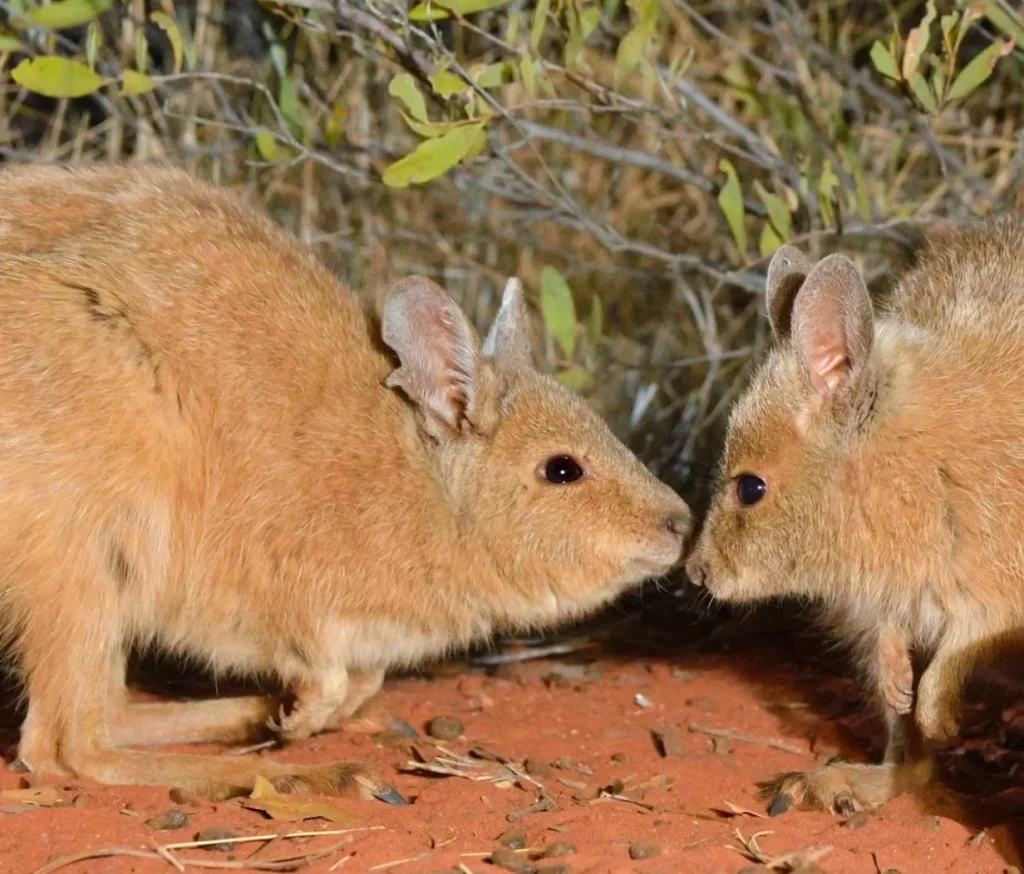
[{"x": 597, "y": 725}]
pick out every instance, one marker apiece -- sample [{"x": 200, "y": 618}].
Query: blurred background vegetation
[{"x": 634, "y": 162}]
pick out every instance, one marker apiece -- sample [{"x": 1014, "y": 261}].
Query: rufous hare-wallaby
[
  {"x": 210, "y": 446},
  {"x": 871, "y": 467}
]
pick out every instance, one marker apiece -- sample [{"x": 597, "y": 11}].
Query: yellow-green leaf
[
  {"x": 9, "y": 43},
  {"x": 730, "y": 200},
  {"x": 540, "y": 20},
  {"x": 93, "y": 43},
  {"x": 68, "y": 13},
  {"x": 427, "y": 129},
  {"x": 434, "y": 11},
  {"x": 403, "y": 86},
  {"x": 136, "y": 83},
  {"x": 141, "y": 50},
  {"x": 446, "y": 84},
  {"x": 778, "y": 211},
  {"x": 528, "y": 73},
  {"x": 574, "y": 378},
  {"x": 883, "y": 60},
  {"x": 919, "y": 88},
  {"x": 53, "y": 76},
  {"x": 491, "y": 75},
  {"x": 435, "y": 157},
  {"x": 170, "y": 27},
  {"x": 631, "y": 49},
  {"x": 980, "y": 68},
  {"x": 769, "y": 242},
  {"x": 917, "y": 41},
  {"x": 266, "y": 145},
  {"x": 558, "y": 309}
]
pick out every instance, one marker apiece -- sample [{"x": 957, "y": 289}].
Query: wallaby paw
[
  {"x": 938, "y": 723},
  {"x": 301, "y": 723},
  {"x": 839, "y": 789}
]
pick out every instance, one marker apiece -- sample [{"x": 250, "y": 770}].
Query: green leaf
[
  {"x": 528, "y": 73},
  {"x": 403, "y": 86},
  {"x": 558, "y": 309},
  {"x": 427, "y": 129},
  {"x": 9, "y": 43},
  {"x": 54, "y": 76},
  {"x": 136, "y": 83},
  {"x": 980, "y": 68},
  {"x": 917, "y": 41},
  {"x": 769, "y": 242},
  {"x": 288, "y": 100},
  {"x": 778, "y": 211},
  {"x": 445, "y": 84},
  {"x": 631, "y": 50},
  {"x": 266, "y": 145},
  {"x": 827, "y": 185},
  {"x": 491, "y": 75},
  {"x": 93, "y": 43},
  {"x": 574, "y": 378},
  {"x": 919, "y": 88},
  {"x": 883, "y": 60},
  {"x": 68, "y": 13},
  {"x": 434, "y": 157},
  {"x": 170, "y": 27},
  {"x": 435, "y": 11},
  {"x": 730, "y": 200},
  {"x": 540, "y": 20}
]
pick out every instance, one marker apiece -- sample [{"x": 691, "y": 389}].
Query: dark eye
[
  {"x": 750, "y": 489},
  {"x": 562, "y": 469}
]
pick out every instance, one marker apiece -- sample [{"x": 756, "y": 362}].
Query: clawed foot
[
  {"x": 938, "y": 720},
  {"x": 302, "y": 722},
  {"x": 344, "y": 779},
  {"x": 840, "y": 789}
]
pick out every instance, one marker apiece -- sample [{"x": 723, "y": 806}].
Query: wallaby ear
[
  {"x": 438, "y": 350},
  {"x": 832, "y": 322},
  {"x": 508, "y": 341},
  {"x": 786, "y": 273}
]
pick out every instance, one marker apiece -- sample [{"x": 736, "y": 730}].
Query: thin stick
[
  {"x": 212, "y": 842},
  {"x": 747, "y": 739}
]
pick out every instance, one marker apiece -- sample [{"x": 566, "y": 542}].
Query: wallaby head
[
  {"x": 782, "y": 502},
  {"x": 566, "y": 513}
]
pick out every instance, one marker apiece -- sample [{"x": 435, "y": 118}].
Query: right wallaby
[
  {"x": 872, "y": 468},
  {"x": 208, "y": 444}
]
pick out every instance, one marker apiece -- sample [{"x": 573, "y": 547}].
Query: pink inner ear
[{"x": 828, "y": 365}]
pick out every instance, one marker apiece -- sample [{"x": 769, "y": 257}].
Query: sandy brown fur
[
  {"x": 206, "y": 446},
  {"x": 892, "y": 471}
]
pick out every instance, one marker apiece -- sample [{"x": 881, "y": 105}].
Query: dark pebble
[
  {"x": 537, "y": 768},
  {"x": 445, "y": 727},
  {"x": 513, "y": 839},
  {"x": 514, "y": 862},
  {"x": 217, "y": 833},
  {"x": 559, "y": 848},
  {"x": 858, "y": 820},
  {"x": 169, "y": 821},
  {"x": 644, "y": 851}
]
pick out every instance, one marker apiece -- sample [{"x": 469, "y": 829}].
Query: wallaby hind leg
[
  {"x": 74, "y": 676},
  {"x": 238, "y": 720}
]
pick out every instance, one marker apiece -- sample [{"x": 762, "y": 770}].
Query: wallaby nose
[
  {"x": 696, "y": 570},
  {"x": 678, "y": 523}
]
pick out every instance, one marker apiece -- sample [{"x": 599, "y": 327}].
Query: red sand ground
[{"x": 591, "y": 722}]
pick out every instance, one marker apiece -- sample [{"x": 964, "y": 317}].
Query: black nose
[
  {"x": 678, "y": 524},
  {"x": 697, "y": 571}
]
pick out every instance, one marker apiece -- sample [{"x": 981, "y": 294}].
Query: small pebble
[
  {"x": 183, "y": 796},
  {"x": 169, "y": 821},
  {"x": 857, "y": 820},
  {"x": 619, "y": 758},
  {"x": 642, "y": 700},
  {"x": 563, "y": 763},
  {"x": 512, "y": 861},
  {"x": 559, "y": 848},
  {"x": 537, "y": 768},
  {"x": 445, "y": 727},
  {"x": 644, "y": 851},
  {"x": 217, "y": 833},
  {"x": 513, "y": 839}
]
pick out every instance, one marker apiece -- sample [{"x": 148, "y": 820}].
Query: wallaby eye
[
  {"x": 750, "y": 489},
  {"x": 562, "y": 469}
]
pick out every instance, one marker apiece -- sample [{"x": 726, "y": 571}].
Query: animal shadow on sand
[{"x": 778, "y": 650}]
